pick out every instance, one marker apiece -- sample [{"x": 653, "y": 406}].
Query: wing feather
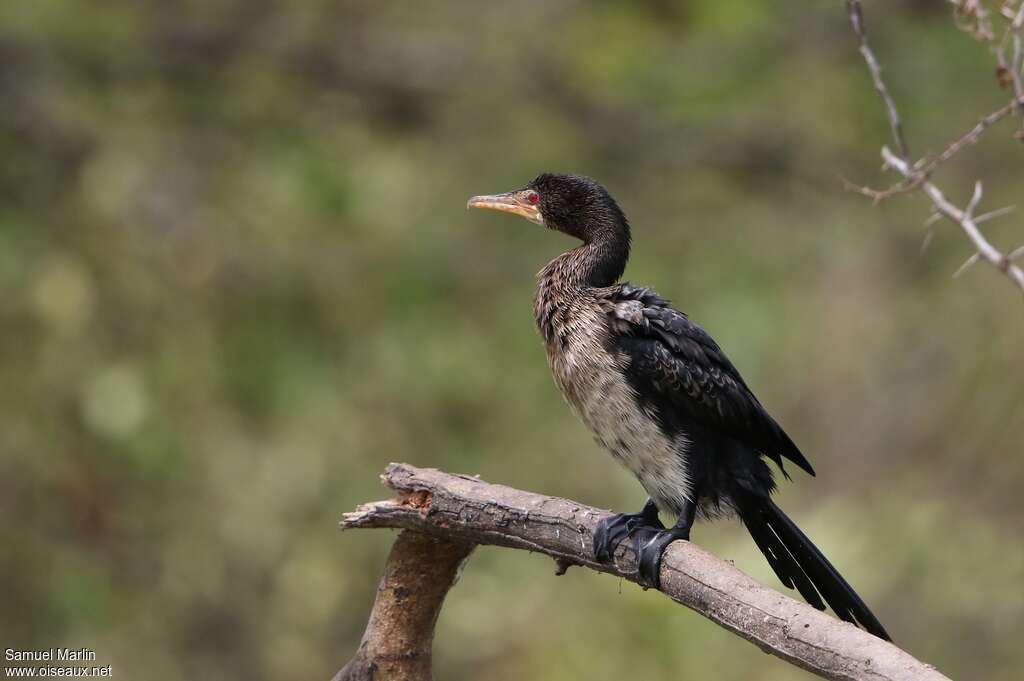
[{"x": 679, "y": 360}]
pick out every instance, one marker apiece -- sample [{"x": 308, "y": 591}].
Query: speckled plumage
[
  {"x": 578, "y": 327},
  {"x": 646, "y": 380},
  {"x": 660, "y": 395}
]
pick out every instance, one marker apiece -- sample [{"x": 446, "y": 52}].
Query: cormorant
[{"x": 662, "y": 397}]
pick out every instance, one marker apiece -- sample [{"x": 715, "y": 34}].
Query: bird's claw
[
  {"x": 650, "y": 546},
  {"x": 613, "y": 529}
]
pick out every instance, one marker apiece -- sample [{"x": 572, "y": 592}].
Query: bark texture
[
  {"x": 397, "y": 643},
  {"x": 461, "y": 508}
]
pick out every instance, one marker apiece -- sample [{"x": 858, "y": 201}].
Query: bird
[{"x": 660, "y": 395}]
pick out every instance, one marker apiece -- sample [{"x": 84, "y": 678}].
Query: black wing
[{"x": 689, "y": 372}]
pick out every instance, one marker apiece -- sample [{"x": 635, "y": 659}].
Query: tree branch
[
  {"x": 465, "y": 509},
  {"x": 965, "y": 219},
  {"x": 398, "y": 637},
  {"x": 857, "y": 22},
  {"x": 924, "y": 167},
  {"x": 970, "y": 137},
  {"x": 1011, "y": 68},
  {"x": 916, "y": 175}
]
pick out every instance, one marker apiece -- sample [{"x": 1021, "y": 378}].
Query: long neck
[{"x": 594, "y": 264}]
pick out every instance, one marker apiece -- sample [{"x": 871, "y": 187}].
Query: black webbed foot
[
  {"x": 650, "y": 546},
  {"x": 612, "y": 530}
]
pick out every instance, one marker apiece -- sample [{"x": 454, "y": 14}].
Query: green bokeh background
[{"x": 239, "y": 279}]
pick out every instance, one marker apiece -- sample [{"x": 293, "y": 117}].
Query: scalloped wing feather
[{"x": 691, "y": 372}]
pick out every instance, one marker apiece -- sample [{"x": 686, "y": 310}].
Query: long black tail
[{"x": 800, "y": 564}]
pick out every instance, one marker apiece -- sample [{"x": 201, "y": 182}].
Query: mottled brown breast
[{"x": 577, "y": 327}]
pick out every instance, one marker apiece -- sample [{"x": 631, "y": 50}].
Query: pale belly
[{"x": 594, "y": 387}]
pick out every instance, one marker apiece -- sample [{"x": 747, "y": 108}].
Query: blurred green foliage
[{"x": 239, "y": 279}]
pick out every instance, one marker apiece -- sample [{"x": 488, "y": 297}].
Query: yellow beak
[{"x": 509, "y": 202}]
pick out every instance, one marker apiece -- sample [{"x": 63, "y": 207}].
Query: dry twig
[
  {"x": 916, "y": 175},
  {"x": 969, "y": 137},
  {"x": 464, "y": 510},
  {"x": 971, "y": 16},
  {"x": 1010, "y": 70},
  {"x": 924, "y": 167},
  {"x": 964, "y": 218},
  {"x": 857, "y": 21}
]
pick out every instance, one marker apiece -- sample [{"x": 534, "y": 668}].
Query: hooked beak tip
[{"x": 510, "y": 202}]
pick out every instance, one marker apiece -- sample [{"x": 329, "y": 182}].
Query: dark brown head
[
  {"x": 572, "y": 204},
  {"x": 577, "y": 206}
]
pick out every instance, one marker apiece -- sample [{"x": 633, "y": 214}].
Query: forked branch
[
  {"x": 972, "y": 16},
  {"x": 462, "y": 511}
]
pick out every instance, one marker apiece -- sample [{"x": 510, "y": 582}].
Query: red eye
[{"x": 532, "y": 197}]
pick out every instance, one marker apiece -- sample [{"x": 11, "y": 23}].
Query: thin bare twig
[
  {"x": 857, "y": 21},
  {"x": 975, "y": 200},
  {"x": 970, "y": 137},
  {"x": 879, "y": 195},
  {"x": 1012, "y": 68},
  {"x": 971, "y": 16},
  {"x": 924, "y": 168},
  {"x": 966, "y": 266},
  {"x": 916, "y": 175},
  {"x": 963, "y": 218},
  {"x": 993, "y": 214},
  {"x": 467, "y": 510}
]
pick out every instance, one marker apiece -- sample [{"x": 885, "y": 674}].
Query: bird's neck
[{"x": 595, "y": 264}]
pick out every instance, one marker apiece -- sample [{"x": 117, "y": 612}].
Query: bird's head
[{"x": 572, "y": 204}]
